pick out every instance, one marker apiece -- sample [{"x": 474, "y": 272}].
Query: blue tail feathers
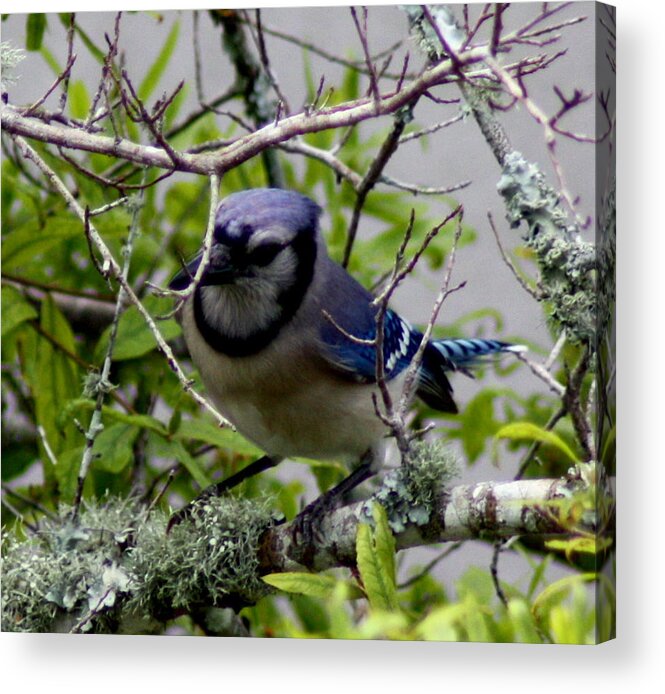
[{"x": 454, "y": 355}]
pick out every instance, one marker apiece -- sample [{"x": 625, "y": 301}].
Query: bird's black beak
[{"x": 216, "y": 273}]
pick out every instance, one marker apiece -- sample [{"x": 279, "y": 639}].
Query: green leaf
[
  {"x": 476, "y": 584},
  {"x": 522, "y": 622},
  {"x": 142, "y": 421},
  {"x": 34, "y": 29},
  {"x": 17, "y": 457},
  {"x": 165, "y": 448},
  {"x": 384, "y": 542},
  {"x": 55, "y": 379},
  {"x": 526, "y": 430},
  {"x": 113, "y": 447},
  {"x": 78, "y": 99},
  {"x": 23, "y": 246},
  {"x": 556, "y": 592},
  {"x": 151, "y": 80},
  {"x": 441, "y": 624},
  {"x": 15, "y": 309},
  {"x": 66, "y": 472},
  {"x": 476, "y": 423},
  {"x": 51, "y": 60},
  {"x": 134, "y": 338},
  {"x": 376, "y": 563},
  {"x": 312, "y": 613},
  {"x": 200, "y": 430},
  {"x": 313, "y": 585},
  {"x": 99, "y": 55}
]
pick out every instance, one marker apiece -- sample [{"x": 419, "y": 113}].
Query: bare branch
[
  {"x": 388, "y": 148},
  {"x": 371, "y": 69},
  {"x": 111, "y": 267},
  {"x": 245, "y": 147},
  {"x": 521, "y": 281}
]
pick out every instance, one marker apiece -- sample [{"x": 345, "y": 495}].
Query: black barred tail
[{"x": 454, "y": 355}]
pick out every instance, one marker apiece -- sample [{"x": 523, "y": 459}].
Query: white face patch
[
  {"x": 235, "y": 228},
  {"x": 251, "y": 303},
  {"x": 268, "y": 235}
]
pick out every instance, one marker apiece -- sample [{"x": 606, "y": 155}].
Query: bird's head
[{"x": 261, "y": 263}]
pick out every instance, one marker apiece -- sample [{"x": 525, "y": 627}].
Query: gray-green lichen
[
  {"x": 207, "y": 558},
  {"x": 117, "y": 565},
  {"x": 428, "y": 39},
  {"x": 409, "y": 494},
  {"x": 606, "y": 250},
  {"x": 567, "y": 263},
  {"x": 10, "y": 57}
]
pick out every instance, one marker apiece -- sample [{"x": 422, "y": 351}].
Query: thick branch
[
  {"x": 487, "y": 510},
  {"x": 246, "y": 147}
]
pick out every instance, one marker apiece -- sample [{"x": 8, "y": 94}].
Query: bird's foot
[{"x": 307, "y": 530}]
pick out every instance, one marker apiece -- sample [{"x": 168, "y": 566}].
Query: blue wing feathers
[{"x": 347, "y": 341}]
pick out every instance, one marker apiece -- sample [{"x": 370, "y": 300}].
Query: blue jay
[{"x": 271, "y": 326}]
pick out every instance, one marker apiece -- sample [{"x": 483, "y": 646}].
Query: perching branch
[{"x": 133, "y": 571}]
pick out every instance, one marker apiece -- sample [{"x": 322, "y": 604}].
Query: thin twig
[
  {"x": 28, "y": 501},
  {"x": 111, "y": 267},
  {"x": 103, "y": 384},
  {"x": 64, "y": 75},
  {"x": 412, "y": 371},
  {"x": 183, "y": 294},
  {"x": 430, "y": 565},
  {"x": 543, "y": 374},
  {"x": 520, "y": 280},
  {"x": 388, "y": 148},
  {"x": 535, "y": 446},
  {"x": 371, "y": 69},
  {"x": 494, "y": 571},
  {"x": 47, "y": 447},
  {"x": 556, "y": 350}
]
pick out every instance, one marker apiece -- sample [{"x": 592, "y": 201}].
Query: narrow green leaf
[
  {"x": 97, "y": 53},
  {"x": 165, "y": 448},
  {"x": 200, "y": 430},
  {"x": 78, "y": 99},
  {"x": 384, "y": 542},
  {"x": 15, "y": 309},
  {"x": 522, "y": 622},
  {"x": 24, "y": 245},
  {"x": 312, "y": 613},
  {"x": 50, "y": 60},
  {"x": 538, "y": 574},
  {"x": 151, "y": 80},
  {"x": 379, "y": 584},
  {"x": 34, "y": 29},
  {"x": 314, "y": 585},
  {"x": 532, "y": 432},
  {"x": 551, "y": 596},
  {"x": 66, "y": 472},
  {"x": 142, "y": 421},
  {"x": 441, "y": 623},
  {"x": 56, "y": 376}
]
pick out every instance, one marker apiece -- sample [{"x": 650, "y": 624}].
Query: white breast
[{"x": 283, "y": 403}]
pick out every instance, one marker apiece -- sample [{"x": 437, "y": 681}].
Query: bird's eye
[{"x": 264, "y": 255}]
